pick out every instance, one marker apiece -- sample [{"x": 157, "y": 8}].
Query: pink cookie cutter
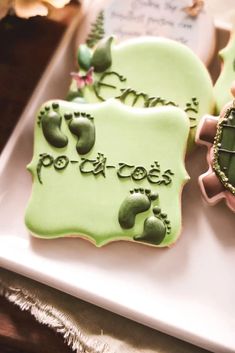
[{"x": 212, "y": 185}]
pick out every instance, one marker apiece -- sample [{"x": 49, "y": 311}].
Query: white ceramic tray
[{"x": 187, "y": 291}]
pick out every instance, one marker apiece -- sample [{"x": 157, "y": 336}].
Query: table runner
[{"x": 86, "y": 328}]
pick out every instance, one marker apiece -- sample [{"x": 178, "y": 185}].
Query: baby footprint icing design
[
  {"x": 86, "y": 196},
  {"x": 83, "y": 127},
  {"x": 138, "y": 201},
  {"x": 51, "y": 120},
  {"x": 155, "y": 228}
]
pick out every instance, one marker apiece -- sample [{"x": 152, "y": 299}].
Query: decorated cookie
[
  {"x": 185, "y": 21},
  {"x": 108, "y": 172},
  {"x": 218, "y": 134},
  {"x": 222, "y": 87},
  {"x": 144, "y": 72}
]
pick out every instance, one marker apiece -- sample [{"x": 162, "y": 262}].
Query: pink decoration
[
  {"x": 212, "y": 189},
  {"x": 83, "y": 80}
]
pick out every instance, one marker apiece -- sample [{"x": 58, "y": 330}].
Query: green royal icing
[
  {"x": 127, "y": 187},
  {"x": 223, "y": 85},
  {"x": 155, "y": 228},
  {"x": 138, "y": 201},
  {"x": 50, "y": 120},
  {"x": 82, "y": 126},
  {"x": 97, "y": 31},
  {"x": 101, "y": 59},
  {"x": 84, "y": 57},
  {"x": 148, "y": 72}
]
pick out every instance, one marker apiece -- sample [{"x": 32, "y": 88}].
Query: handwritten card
[{"x": 167, "y": 18}]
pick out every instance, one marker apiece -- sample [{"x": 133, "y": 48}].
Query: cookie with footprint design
[
  {"x": 144, "y": 72},
  {"x": 107, "y": 179}
]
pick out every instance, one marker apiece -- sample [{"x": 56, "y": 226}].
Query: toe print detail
[
  {"x": 50, "y": 120},
  {"x": 82, "y": 126},
  {"x": 155, "y": 228},
  {"x": 139, "y": 200}
]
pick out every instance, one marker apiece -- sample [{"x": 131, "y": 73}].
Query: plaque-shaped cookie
[
  {"x": 144, "y": 72},
  {"x": 108, "y": 172}
]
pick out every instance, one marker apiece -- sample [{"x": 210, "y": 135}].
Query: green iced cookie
[
  {"x": 223, "y": 85},
  {"x": 148, "y": 72},
  {"x": 108, "y": 172}
]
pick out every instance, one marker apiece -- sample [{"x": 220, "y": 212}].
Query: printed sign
[{"x": 167, "y": 18}]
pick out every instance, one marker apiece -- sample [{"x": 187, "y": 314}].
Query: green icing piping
[
  {"x": 155, "y": 228},
  {"x": 138, "y": 201},
  {"x": 82, "y": 126},
  {"x": 84, "y": 57},
  {"x": 97, "y": 31},
  {"x": 148, "y": 101},
  {"x": 51, "y": 127},
  {"x": 102, "y": 59}
]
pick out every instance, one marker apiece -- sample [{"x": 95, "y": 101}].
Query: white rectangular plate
[{"x": 187, "y": 291}]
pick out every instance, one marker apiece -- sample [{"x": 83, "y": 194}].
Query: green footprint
[
  {"x": 155, "y": 228},
  {"x": 50, "y": 120},
  {"x": 82, "y": 126},
  {"x": 138, "y": 201}
]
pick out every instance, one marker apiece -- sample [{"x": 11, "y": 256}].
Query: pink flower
[{"x": 83, "y": 80}]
